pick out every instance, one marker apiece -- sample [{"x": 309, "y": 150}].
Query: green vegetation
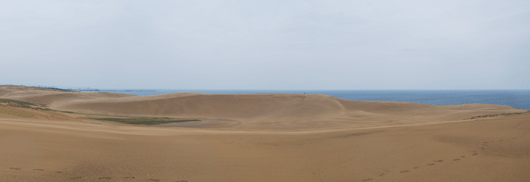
[
  {"x": 503, "y": 114},
  {"x": 64, "y": 111},
  {"x": 144, "y": 120},
  {"x": 43, "y": 109},
  {"x": 27, "y": 105},
  {"x": 21, "y": 103},
  {"x": 515, "y": 113}
]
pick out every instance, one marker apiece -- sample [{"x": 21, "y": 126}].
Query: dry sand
[{"x": 263, "y": 137}]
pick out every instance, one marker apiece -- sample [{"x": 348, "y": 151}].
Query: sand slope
[
  {"x": 21, "y": 113},
  {"x": 264, "y": 138},
  {"x": 495, "y": 149},
  {"x": 51, "y": 97},
  {"x": 282, "y": 111},
  {"x": 256, "y": 111}
]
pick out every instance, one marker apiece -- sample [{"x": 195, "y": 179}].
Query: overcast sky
[{"x": 368, "y": 44}]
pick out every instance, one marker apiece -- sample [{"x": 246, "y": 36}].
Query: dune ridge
[
  {"x": 257, "y": 111},
  {"x": 278, "y": 111}
]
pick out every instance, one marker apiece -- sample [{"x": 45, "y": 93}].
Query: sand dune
[
  {"x": 13, "y": 112},
  {"x": 266, "y": 137},
  {"x": 52, "y": 97},
  {"x": 282, "y": 111}
]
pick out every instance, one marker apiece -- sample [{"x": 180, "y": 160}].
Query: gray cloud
[{"x": 266, "y": 45}]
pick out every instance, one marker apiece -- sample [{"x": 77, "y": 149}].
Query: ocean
[{"x": 514, "y": 98}]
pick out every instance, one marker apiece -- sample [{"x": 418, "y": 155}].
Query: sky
[{"x": 276, "y": 45}]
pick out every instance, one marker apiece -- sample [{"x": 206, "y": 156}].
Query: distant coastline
[{"x": 514, "y": 98}]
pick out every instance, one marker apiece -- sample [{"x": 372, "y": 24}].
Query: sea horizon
[{"x": 517, "y": 98}]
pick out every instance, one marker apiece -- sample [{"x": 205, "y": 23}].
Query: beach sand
[{"x": 258, "y": 137}]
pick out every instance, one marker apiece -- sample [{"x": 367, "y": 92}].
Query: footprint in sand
[
  {"x": 439, "y": 161},
  {"x": 38, "y": 169},
  {"x": 369, "y": 179},
  {"x": 14, "y": 168},
  {"x": 382, "y": 174},
  {"x": 105, "y": 178},
  {"x": 456, "y": 159},
  {"x": 74, "y": 178},
  {"x": 59, "y": 172},
  {"x": 187, "y": 181},
  {"x": 154, "y": 180},
  {"x": 128, "y": 177},
  {"x": 417, "y": 167},
  {"x": 463, "y": 156},
  {"x": 431, "y": 164},
  {"x": 404, "y": 171}
]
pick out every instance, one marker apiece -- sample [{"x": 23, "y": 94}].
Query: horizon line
[{"x": 134, "y": 89}]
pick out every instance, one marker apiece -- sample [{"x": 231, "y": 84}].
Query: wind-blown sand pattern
[{"x": 262, "y": 137}]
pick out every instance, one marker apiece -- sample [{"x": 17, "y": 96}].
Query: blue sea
[{"x": 514, "y": 98}]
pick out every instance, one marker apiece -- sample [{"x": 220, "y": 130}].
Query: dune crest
[
  {"x": 255, "y": 111},
  {"x": 285, "y": 111}
]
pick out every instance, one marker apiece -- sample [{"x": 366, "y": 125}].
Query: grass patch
[
  {"x": 22, "y": 103},
  {"x": 503, "y": 114},
  {"x": 43, "y": 109},
  {"x": 65, "y": 111},
  {"x": 145, "y": 120}
]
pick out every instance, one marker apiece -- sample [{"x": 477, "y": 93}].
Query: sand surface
[{"x": 262, "y": 137}]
